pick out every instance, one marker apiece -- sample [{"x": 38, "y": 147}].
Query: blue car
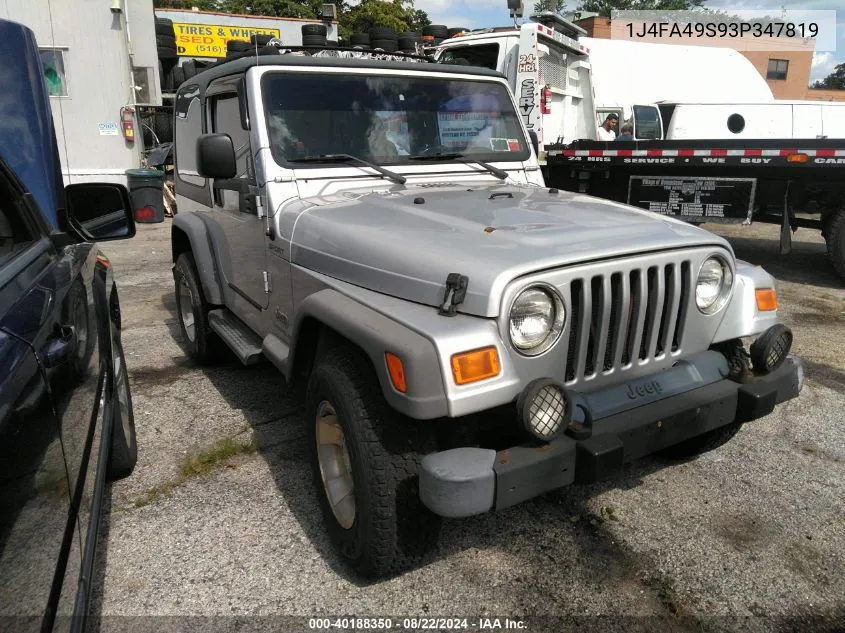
[{"x": 66, "y": 422}]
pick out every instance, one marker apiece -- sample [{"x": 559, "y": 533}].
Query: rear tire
[
  {"x": 388, "y": 529},
  {"x": 835, "y": 239},
  {"x": 200, "y": 341}
]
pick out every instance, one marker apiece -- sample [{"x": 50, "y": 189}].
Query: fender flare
[
  {"x": 193, "y": 227},
  {"x": 376, "y": 334}
]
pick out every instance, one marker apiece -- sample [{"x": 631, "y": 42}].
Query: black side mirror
[
  {"x": 535, "y": 142},
  {"x": 216, "y": 156},
  {"x": 100, "y": 211}
]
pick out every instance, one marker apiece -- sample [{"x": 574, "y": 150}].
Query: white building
[{"x": 101, "y": 64}]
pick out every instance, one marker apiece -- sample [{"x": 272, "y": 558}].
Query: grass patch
[{"x": 200, "y": 465}]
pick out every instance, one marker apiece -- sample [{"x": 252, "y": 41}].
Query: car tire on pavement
[
  {"x": 200, "y": 341},
  {"x": 124, "y": 444},
  {"x": 365, "y": 459}
]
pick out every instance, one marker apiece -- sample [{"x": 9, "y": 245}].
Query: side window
[
  {"x": 14, "y": 233},
  {"x": 188, "y": 128},
  {"x": 226, "y": 119},
  {"x": 482, "y": 55},
  {"x": 647, "y": 123}
]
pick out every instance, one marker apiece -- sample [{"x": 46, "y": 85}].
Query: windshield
[{"x": 393, "y": 120}]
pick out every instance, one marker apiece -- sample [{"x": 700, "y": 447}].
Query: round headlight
[
  {"x": 714, "y": 284},
  {"x": 536, "y": 320}
]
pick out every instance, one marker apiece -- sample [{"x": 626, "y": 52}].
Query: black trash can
[{"x": 146, "y": 190}]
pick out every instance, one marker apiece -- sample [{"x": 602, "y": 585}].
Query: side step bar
[{"x": 243, "y": 342}]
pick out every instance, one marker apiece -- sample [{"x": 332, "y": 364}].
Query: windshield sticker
[
  {"x": 504, "y": 145},
  {"x": 458, "y": 129}
]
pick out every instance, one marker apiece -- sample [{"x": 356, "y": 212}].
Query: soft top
[{"x": 237, "y": 66}]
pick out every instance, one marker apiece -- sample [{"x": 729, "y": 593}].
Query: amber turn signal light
[
  {"x": 396, "y": 371},
  {"x": 767, "y": 299},
  {"x": 475, "y": 365}
]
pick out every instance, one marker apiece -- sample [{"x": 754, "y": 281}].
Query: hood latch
[{"x": 456, "y": 291}]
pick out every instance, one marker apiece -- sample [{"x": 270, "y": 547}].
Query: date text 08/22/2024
[{"x": 416, "y": 624}]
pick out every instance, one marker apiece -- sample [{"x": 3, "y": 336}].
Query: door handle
[{"x": 60, "y": 347}]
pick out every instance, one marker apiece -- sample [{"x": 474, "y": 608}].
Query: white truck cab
[{"x": 547, "y": 69}]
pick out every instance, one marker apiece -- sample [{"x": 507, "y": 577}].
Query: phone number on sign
[{"x": 723, "y": 29}]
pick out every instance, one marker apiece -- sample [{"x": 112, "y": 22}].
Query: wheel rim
[
  {"x": 186, "y": 310},
  {"x": 335, "y": 465},
  {"x": 121, "y": 388}
]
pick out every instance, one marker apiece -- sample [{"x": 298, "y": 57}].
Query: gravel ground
[{"x": 748, "y": 537}]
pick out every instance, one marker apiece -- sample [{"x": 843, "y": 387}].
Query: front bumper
[{"x": 463, "y": 482}]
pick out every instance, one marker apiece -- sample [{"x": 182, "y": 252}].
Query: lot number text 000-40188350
[{"x": 416, "y": 624}]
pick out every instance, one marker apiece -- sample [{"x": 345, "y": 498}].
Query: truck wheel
[
  {"x": 124, "y": 445},
  {"x": 365, "y": 460},
  {"x": 200, "y": 341},
  {"x": 705, "y": 442},
  {"x": 835, "y": 239}
]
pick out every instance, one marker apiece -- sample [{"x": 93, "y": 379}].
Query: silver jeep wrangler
[{"x": 466, "y": 338}]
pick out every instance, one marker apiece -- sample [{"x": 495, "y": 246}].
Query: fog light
[
  {"x": 544, "y": 409},
  {"x": 771, "y": 348}
]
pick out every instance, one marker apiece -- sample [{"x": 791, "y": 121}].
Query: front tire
[
  {"x": 124, "y": 445},
  {"x": 200, "y": 342},
  {"x": 365, "y": 460}
]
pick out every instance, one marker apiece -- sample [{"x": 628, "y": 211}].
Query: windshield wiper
[
  {"x": 498, "y": 173},
  {"x": 345, "y": 158}
]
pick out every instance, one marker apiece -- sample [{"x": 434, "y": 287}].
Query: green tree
[
  {"x": 399, "y": 15},
  {"x": 834, "y": 81},
  {"x": 557, "y": 6},
  {"x": 604, "y": 7}
]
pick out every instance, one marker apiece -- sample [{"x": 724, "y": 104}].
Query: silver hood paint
[{"x": 387, "y": 242}]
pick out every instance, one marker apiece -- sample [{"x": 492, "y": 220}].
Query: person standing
[{"x": 605, "y": 131}]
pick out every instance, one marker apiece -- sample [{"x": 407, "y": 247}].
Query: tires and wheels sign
[{"x": 209, "y": 40}]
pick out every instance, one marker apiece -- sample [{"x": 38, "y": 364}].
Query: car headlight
[
  {"x": 536, "y": 320},
  {"x": 714, "y": 284}
]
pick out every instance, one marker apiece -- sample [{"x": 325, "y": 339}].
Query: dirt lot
[{"x": 220, "y": 518}]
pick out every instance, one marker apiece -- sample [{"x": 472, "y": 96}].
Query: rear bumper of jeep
[{"x": 463, "y": 482}]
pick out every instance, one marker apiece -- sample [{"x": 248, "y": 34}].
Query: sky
[{"x": 483, "y": 13}]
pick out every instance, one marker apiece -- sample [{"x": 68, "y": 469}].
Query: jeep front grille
[{"x": 624, "y": 318}]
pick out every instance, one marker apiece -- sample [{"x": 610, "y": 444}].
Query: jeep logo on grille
[{"x": 643, "y": 389}]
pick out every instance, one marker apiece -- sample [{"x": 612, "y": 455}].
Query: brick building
[{"x": 786, "y": 71}]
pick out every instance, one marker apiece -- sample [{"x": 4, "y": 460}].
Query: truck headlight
[
  {"x": 536, "y": 320},
  {"x": 714, "y": 284}
]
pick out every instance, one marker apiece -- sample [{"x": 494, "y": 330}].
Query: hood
[{"x": 406, "y": 240}]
